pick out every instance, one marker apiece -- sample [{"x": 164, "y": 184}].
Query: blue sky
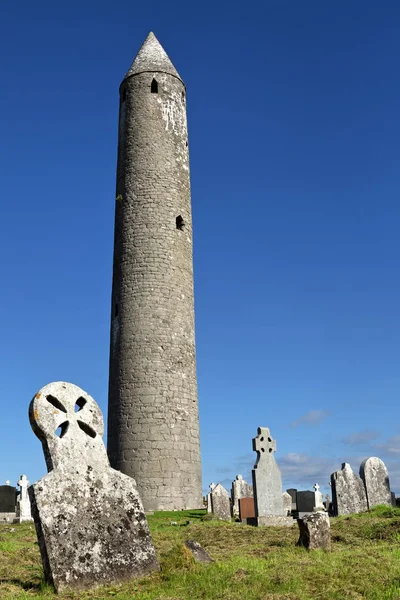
[{"x": 294, "y": 139}]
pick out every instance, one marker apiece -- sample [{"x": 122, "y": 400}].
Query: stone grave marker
[
  {"x": 89, "y": 518},
  {"x": 318, "y": 502},
  {"x": 221, "y": 506},
  {"x": 267, "y": 482},
  {"x": 198, "y": 552},
  {"x": 348, "y": 492},
  {"x": 246, "y": 509},
  {"x": 293, "y": 493},
  {"x": 305, "y": 502},
  {"x": 287, "y": 503},
  {"x": 23, "y": 513},
  {"x": 315, "y": 531},
  {"x": 8, "y": 502},
  {"x": 374, "y": 474},
  {"x": 240, "y": 489},
  {"x": 393, "y": 496},
  {"x": 209, "y": 505}
]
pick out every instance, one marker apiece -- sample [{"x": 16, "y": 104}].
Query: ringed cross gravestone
[
  {"x": 267, "y": 482},
  {"x": 89, "y": 518}
]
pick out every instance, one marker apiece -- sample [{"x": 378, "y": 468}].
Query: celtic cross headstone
[
  {"x": 89, "y": 518},
  {"x": 267, "y": 481}
]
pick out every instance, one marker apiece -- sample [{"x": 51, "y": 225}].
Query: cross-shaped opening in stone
[
  {"x": 87, "y": 429},
  {"x": 79, "y": 404},
  {"x": 56, "y": 403},
  {"x": 62, "y": 429}
]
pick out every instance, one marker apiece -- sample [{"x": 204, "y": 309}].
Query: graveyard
[{"x": 256, "y": 563}]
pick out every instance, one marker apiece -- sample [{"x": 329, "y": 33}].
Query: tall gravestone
[
  {"x": 348, "y": 492},
  {"x": 221, "y": 506},
  {"x": 318, "y": 501},
  {"x": 209, "y": 504},
  {"x": 240, "y": 489},
  {"x": 89, "y": 518},
  {"x": 305, "y": 502},
  {"x": 287, "y": 503},
  {"x": 23, "y": 502},
  {"x": 8, "y": 502},
  {"x": 267, "y": 482},
  {"x": 375, "y": 476}
]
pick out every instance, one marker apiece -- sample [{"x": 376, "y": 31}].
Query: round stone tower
[{"x": 153, "y": 424}]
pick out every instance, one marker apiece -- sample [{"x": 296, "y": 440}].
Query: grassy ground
[{"x": 251, "y": 563}]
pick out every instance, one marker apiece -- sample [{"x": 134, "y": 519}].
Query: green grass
[{"x": 251, "y": 563}]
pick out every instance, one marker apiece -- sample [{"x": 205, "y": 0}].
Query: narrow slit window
[
  {"x": 154, "y": 86},
  {"x": 180, "y": 223}
]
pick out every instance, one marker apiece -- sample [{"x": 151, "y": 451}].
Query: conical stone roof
[{"x": 152, "y": 57}]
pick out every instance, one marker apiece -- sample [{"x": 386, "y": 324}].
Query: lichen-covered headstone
[
  {"x": 23, "y": 513},
  {"x": 221, "y": 506},
  {"x": 240, "y": 489},
  {"x": 348, "y": 492},
  {"x": 267, "y": 482},
  {"x": 287, "y": 503},
  {"x": 375, "y": 476},
  {"x": 89, "y": 518},
  {"x": 315, "y": 531}
]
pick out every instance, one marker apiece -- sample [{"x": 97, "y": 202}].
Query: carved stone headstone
[
  {"x": 293, "y": 493},
  {"x": 209, "y": 505},
  {"x": 23, "y": 502},
  {"x": 246, "y": 509},
  {"x": 221, "y": 506},
  {"x": 287, "y": 503},
  {"x": 240, "y": 489},
  {"x": 267, "y": 482},
  {"x": 305, "y": 501},
  {"x": 374, "y": 474},
  {"x": 318, "y": 501},
  {"x": 89, "y": 518},
  {"x": 8, "y": 498},
  {"x": 348, "y": 492},
  {"x": 315, "y": 531}
]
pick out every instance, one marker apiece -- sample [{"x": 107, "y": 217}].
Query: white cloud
[
  {"x": 313, "y": 417},
  {"x": 360, "y": 437}
]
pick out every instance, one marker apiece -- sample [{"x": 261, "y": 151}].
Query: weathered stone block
[
  {"x": 221, "y": 506},
  {"x": 348, "y": 492},
  {"x": 375, "y": 476},
  {"x": 198, "y": 552},
  {"x": 89, "y": 518},
  {"x": 287, "y": 503},
  {"x": 315, "y": 531}
]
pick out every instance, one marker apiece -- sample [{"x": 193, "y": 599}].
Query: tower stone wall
[{"x": 153, "y": 425}]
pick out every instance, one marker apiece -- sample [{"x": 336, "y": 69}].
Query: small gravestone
[
  {"x": 315, "y": 531},
  {"x": 287, "y": 503},
  {"x": 198, "y": 552},
  {"x": 375, "y": 476},
  {"x": 293, "y": 494},
  {"x": 221, "y": 506},
  {"x": 348, "y": 492},
  {"x": 267, "y": 482},
  {"x": 393, "y": 496},
  {"x": 209, "y": 505},
  {"x": 240, "y": 489},
  {"x": 89, "y": 519},
  {"x": 8, "y": 502},
  {"x": 23, "y": 503},
  {"x": 305, "y": 502},
  {"x": 246, "y": 509},
  {"x": 318, "y": 502}
]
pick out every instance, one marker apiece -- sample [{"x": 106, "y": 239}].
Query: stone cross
[
  {"x": 318, "y": 503},
  {"x": 267, "y": 480},
  {"x": 89, "y": 519},
  {"x": 23, "y": 502}
]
